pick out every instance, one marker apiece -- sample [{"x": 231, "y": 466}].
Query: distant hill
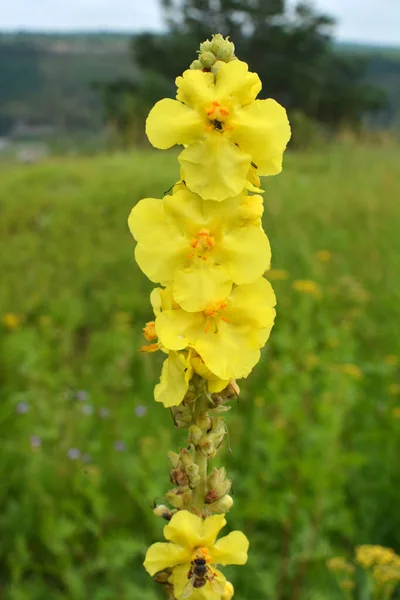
[{"x": 47, "y": 79}]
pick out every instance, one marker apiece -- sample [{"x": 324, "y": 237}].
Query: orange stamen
[
  {"x": 150, "y": 348},
  {"x": 149, "y": 331}
]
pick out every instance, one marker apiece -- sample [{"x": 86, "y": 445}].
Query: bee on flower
[{"x": 192, "y": 553}]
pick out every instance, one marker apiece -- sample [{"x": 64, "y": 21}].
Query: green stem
[{"x": 200, "y": 490}]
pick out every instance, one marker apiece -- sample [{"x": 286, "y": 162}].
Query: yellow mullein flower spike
[
  {"x": 224, "y": 129},
  {"x": 204, "y": 244},
  {"x": 228, "y": 334},
  {"x": 199, "y": 246},
  {"x": 190, "y": 538}
]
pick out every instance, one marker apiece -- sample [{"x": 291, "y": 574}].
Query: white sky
[{"x": 358, "y": 20}]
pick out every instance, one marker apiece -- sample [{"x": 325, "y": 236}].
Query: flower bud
[
  {"x": 206, "y": 46},
  {"x": 186, "y": 458},
  {"x": 223, "y": 49},
  {"x": 223, "y": 505},
  {"x": 216, "y": 66},
  {"x": 195, "y": 434},
  {"x": 163, "y": 511},
  {"x": 196, "y": 65},
  {"x": 192, "y": 471},
  {"x": 174, "y": 458},
  {"x": 207, "y": 59},
  {"x": 228, "y": 591},
  {"x": 162, "y": 576},
  {"x": 179, "y": 477},
  {"x": 178, "y": 499},
  {"x": 218, "y": 485}
]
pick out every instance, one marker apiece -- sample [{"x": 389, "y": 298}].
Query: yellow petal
[
  {"x": 160, "y": 556},
  {"x": 178, "y": 329},
  {"x": 180, "y": 581},
  {"x": 161, "y": 245},
  {"x": 170, "y": 122},
  {"x": 234, "y": 81},
  {"x": 195, "y": 88},
  {"x": 262, "y": 130},
  {"x": 196, "y": 288},
  {"x": 231, "y": 549},
  {"x": 155, "y": 300},
  {"x": 246, "y": 254},
  {"x": 187, "y": 211},
  {"x": 158, "y": 266},
  {"x": 173, "y": 382},
  {"x": 211, "y": 528},
  {"x": 189, "y": 530},
  {"x": 214, "y": 168},
  {"x": 184, "y": 529},
  {"x": 226, "y": 352},
  {"x": 217, "y": 386},
  {"x": 253, "y": 304},
  {"x": 161, "y": 299}
]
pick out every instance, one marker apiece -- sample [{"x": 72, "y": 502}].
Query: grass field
[{"x": 315, "y": 437}]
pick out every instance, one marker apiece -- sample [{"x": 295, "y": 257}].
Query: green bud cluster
[
  {"x": 214, "y": 53},
  {"x": 218, "y": 486},
  {"x": 207, "y": 435}
]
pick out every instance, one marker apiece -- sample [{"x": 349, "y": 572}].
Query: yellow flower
[
  {"x": 201, "y": 246},
  {"x": 307, "y": 286},
  {"x": 11, "y": 320},
  {"x": 228, "y": 334},
  {"x": 368, "y": 555},
  {"x": 179, "y": 367},
  {"x": 391, "y": 360},
  {"x": 278, "y": 274},
  {"x": 323, "y": 255},
  {"x": 223, "y": 128},
  {"x": 396, "y": 412},
  {"x": 190, "y": 538},
  {"x": 337, "y": 563},
  {"x": 352, "y": 370},
  {"x": 394, "y": 389}
]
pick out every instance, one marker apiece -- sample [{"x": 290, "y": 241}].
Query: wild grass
[{"x": 315, "y": 437}]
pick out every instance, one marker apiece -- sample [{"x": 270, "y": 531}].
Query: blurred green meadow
[{"x": 315, "y": 437}]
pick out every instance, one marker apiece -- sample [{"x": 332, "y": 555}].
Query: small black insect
[{"x": 218, "y": 125}]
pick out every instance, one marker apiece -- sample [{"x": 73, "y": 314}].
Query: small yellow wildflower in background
[
  {"x": 311, "y": 361},
  {"x": 384, "y": 574},
  {"x": 394, "y": 389},
  {"x": 45, "y": 320},
  {"x": 307, "y": 286},
  {"x": 323, "y": 255},
  {"x": 278, "y": 275},
  {"x": 338, "y": 563},
  {"x": 368, "y": 555},
  {"x": 352, "y": 370},
  {"x": 190, "y": 538},
  {"x": 396, "y": 412},
  {"x": 391, "y": 359},
  {"x": 11, "y": 320}
]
